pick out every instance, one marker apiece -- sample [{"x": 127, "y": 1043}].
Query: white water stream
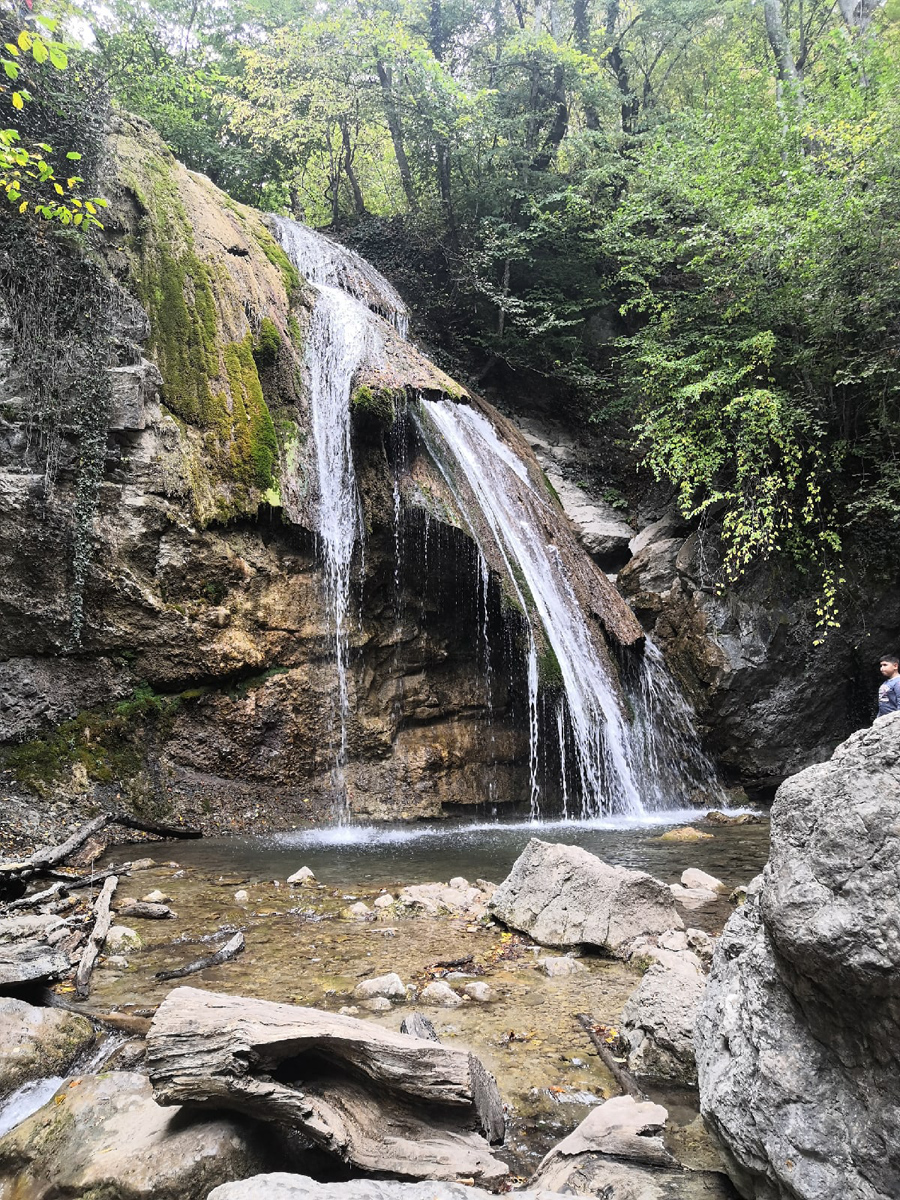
[{"x": 650, "y": 762}]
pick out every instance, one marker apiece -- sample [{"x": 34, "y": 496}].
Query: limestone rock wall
[
  {"x": 798, "y": 1035},
  {"x": 203, "y": 683}
]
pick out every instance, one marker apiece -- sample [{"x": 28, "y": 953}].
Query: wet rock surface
[
  {"x": 797, "y": 1038},
  {"x": 37, "y": 1042},
  {"x": 103, "y": 1135}
]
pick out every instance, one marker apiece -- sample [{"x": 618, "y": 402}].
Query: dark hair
[{"x": 892, "y": 658}]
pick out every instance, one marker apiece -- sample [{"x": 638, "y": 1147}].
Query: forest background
[{"x": 679, "y": 219}]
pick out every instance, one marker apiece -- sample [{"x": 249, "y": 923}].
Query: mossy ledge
[{"x": 217, "y": 290}]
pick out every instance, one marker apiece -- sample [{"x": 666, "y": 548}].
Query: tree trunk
[
  {"x": 560, "y": 125},
  {"x": 582, "y": 30},
  {"x": 630, "y": 107},
  {"x": 358, "y": 202},
  {"x": 385, "y": 78},
  {"x": 377, "y": 1099},
  {"x": 788, "y": 74}
]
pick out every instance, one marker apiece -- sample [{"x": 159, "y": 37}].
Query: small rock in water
[
  {"x": 349, "y": 1010},
  {"x": 480, "y": 992},
  {"x": 558, "y": 967},
  {"x": 738, "y": 896},
  {"x": 377, "y": 1004},
  {"x": 118, "y": 962},
  {"x": 459, "y": 883},
  {"x": 441, "y": 995},
  {"x": 381, "y": 985},
  {"x": 122, "y": 937},
  {"x": 684, "y": 833},
  {"x": 304, "y": 875},
  {"x": 142, "y": 864},
  {"x": 359, "y": 910},
  {"x": 384, "y": 901},
  {"x": 693, "y": 897},
  {"x": 156, "y": 897},
  {"x": 241, "y": 896},
  {"x": 694, "y": 878}
]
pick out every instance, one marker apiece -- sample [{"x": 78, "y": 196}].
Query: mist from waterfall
[{"x": 624, "y": 747}]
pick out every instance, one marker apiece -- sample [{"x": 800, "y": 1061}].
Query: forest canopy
[{"x": 684, "y": 215}]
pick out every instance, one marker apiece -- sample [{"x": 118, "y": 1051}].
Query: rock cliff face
[
  {"x": 202, "y": 681},
  {"x": 771, "y": 700},
  {"x": 797, "y": 1039}
]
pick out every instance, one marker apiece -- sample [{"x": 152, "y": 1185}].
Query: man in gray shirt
[{"x": 889, "y": 692}]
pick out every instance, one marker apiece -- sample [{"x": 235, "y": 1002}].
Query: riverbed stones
[
  {"x": 377, "y": 1004},
  {"x": 685, "y": 833},
  {"x": 103, "y": 1135},
  {"x": 562, "y": 896},
  {"x": 304, "y": 875},
  {"x": 31, "y": 962},
  {"x": 122, "y": 938},
  {"x": 384, "y": 901},
  {"x": 481, "y": 993},
  {"x": 798, "y": 1036},
  {"x": 390, "y": 985},
  {"x": 435, "y": 899},
  {"x": 374, "y": 1098},
  {"x": 37, "y": 1042},
  {"x": 439, "y": 994},
  {"x": 658, "y": 1020},
  {"x": 156, "y": 897},
  {"x": 696, "y": 897},
  {"x": 558, "y": 968},
  {"x": 695, "y": 878}
]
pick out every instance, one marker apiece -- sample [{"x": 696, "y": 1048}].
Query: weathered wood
[
  {"x": 146, "y": 911},
  {"x": 418, "y": 1026},
  {"x": 623, "y": 1078},
  {"x": 37, "y": 898},
  {"x": 96, "y": 938},
  {"x": 229, "y": 950},
  {"x": 488, "y": 1104},
  {"x": 142, "y": 825},
  {"x": 380, "y": 1100}
]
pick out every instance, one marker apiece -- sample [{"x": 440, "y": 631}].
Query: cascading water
[
  {"x": 650, "y": 762},
  {"x": 343, "y": 335},
  {"x": 510, "y": 507}
]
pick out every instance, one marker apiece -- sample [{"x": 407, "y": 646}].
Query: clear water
[
  {"x": 27, "y": 1099},
  {"x": 382, "y": 855}
]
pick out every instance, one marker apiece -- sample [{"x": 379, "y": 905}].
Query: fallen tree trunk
[
  {"x": 43, "y": 860},
  {"x": 380, "y": 1100},
  {"x": 96, "y": 939},
  {"x": 229, "y": 950},
  {"x": 623, "y": 1078}
]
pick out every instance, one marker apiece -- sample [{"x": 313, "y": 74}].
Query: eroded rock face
[
  {"x": 798, "y": 1034},
  {"x": 37, "y": 1042},
  {"x": 658, "y": 1020},
  {"x": 105, "y": 1136},
  {"x": 564, "y": 896},
  {"x": 769, "y": 700}
]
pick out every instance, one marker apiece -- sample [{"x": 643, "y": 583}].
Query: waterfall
[
  {"x": 509, "y": 506},
  {"x": 622, "y": 748},
  {"x": 343, "y": 336}
]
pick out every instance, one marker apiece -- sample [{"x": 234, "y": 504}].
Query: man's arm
[{"x": 893, "y": 694}]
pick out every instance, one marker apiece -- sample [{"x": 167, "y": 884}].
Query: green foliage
[
  {"x": 268, "y": 342},
  {"x": 109, "y": 744},
  {"x": 379, "y": 403}
]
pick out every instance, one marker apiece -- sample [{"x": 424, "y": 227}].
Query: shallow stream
[{"x": 303, "y": 947}]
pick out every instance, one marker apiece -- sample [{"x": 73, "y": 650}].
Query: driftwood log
[
  {"x": 229, "y": 950},
  {"x": 44, "y": 860},
  {"x": 623, "y": 1077},
  {"x": 97, "y": 937},
  {"x": 382, "y": 1101}
]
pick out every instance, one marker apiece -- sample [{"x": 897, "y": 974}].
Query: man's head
[{"x": 890, "y": 666}]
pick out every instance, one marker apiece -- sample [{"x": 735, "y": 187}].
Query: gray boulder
[
  {"x": 36, "y": 1042},
  {"x": 798, "y": 1036},
  {"x": 103, "y": 1136},
  {"x": 30, "y": 962},
  {"x": 282, "y": 1186},
  {"x": 563, "y": 896},
  {"x": 658, "y": 1019}
]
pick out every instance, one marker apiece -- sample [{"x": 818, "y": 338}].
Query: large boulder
[
  {"x": 103, "y": 1136},
  {"x": 564, "y": 896},
  {"x": 798, "y": 1037},
  {"x": 658, "y": 1019},
  {"x": 281, "y": 1186},
  {"x": 36, "y": 1042}
]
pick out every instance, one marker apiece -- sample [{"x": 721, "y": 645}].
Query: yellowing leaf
[
  {"x": 25, "y": 39},
  {"x": 23, "y": 206},
  {"x": 17, "y": 100},
  {"x": 58, "y": 189}
]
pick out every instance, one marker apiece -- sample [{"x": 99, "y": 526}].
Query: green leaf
[
  {"x": 59, "y": 58},
  {"x": 40, "y": 51},
  {"x": 11, "y": 68}
]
